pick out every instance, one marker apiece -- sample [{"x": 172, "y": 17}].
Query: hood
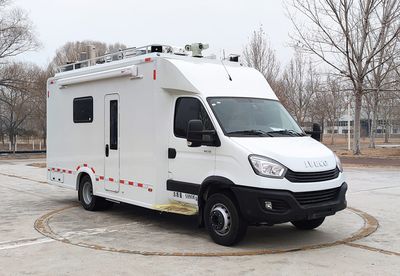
[{"x": 300, "y": 154}]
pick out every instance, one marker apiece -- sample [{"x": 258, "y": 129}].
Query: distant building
[{"x": 341, "y": 126}]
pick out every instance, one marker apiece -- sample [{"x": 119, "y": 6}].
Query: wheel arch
[
  {"x": 209, "y": 186},
  {"x": 81, "y": 173}
]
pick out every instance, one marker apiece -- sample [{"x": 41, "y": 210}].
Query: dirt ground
[
  {"x": 22, "y": 156},
  {"x": 384, "y": 155}
]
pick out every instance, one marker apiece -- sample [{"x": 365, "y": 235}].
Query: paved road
[{"x": 25, "y": 197}]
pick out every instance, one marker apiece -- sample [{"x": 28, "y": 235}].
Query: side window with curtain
[{"x": 187, "y": 109}]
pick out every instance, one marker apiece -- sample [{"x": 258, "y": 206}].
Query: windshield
[{"x": 254, "y": 117}]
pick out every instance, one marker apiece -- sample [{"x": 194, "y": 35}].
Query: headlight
[
  {"x": 267, "y": 167},
  {"x": 338, "y": 163}
]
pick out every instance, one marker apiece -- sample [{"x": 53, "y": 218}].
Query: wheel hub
[
  {"x": 87, "y": 193},
  {"x": 220, "y": 219}
]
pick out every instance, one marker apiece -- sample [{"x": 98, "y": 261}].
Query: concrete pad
[
  {"x": 131, "y": 229},
  {"x": 24, "y": 251}
]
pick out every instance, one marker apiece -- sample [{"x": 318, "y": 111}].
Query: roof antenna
[{"x": 222, "y": 61}]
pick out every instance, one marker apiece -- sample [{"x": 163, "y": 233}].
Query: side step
[
  {"x": 112, "y": 200},
  {"x": 178, "y": 208}
]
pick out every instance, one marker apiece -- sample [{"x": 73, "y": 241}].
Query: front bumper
[{"x": 288, "y": 206}]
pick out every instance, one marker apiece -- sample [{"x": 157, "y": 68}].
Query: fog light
[{"x": 268, "y": 205}]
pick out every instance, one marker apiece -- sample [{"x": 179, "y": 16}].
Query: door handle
[
  {"x": 107, "y": 150},
  {"x": 171, "y": 153}
]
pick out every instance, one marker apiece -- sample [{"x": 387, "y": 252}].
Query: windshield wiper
[
  {"x": 250, "y": 132},
  {"x": 286, "y": 131}
]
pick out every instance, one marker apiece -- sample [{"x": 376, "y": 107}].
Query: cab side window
[{"x": 187, "y": 109}]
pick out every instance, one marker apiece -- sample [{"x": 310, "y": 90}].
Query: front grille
[
  {"x": 307, "y": 198},
  {"x": 311, "y": 176}
]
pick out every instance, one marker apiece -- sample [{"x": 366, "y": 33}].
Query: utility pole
[{"x": 348, "y": 126}]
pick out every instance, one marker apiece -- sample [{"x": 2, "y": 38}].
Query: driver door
[{"x": 189, "y": 166}]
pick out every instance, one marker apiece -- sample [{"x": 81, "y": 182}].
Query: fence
[{"x": 23, "y": 144}]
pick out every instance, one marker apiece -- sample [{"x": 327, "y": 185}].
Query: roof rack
[{"x": 119, "y": 55}]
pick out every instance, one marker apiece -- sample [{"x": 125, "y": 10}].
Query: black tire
[
  {"x": 91, "y": 202},
  {"x": 308, "y": 224},
  {"x": 221, "y": 208}
]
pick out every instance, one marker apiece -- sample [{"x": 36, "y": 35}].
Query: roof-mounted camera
[{"x": 196, "y": 49}]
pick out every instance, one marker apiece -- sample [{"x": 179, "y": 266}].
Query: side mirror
[
  {"x": 197, "y": 136},
  {"x": 316, "y": 132},
  {"x": 194, "y": 133}
]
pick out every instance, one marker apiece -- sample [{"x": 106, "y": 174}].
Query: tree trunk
[
  {"x": 387, "y": 132},
  {"x": 11, "y": 136},
  {"x": 373, "y": 131},
  {"x": 45, "y": 137},
  {"x": 357, "y": 125},
  {"x": 372, "y": 143},
  {"x": 333, "y": 134},
  {"x": 322, "y": 129}
]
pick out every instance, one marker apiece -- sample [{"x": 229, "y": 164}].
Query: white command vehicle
[{"x": 154, "y": 127}]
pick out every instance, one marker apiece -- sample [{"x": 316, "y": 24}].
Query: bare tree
[
  {"x": 259, "y": 54},
  {"x": 348, "y": 35},
  {"x": 39, "y": 94},
  {"x": 380, "y": 81},
  {"x": 16, "y": 32},
  {"x": 331, "y": 101},
  {"x": 16, "y": 100},
  {"x": 16, "y": 37},
  {"x": 389, "y": 111},
  {"x": 299, "y": 85}
]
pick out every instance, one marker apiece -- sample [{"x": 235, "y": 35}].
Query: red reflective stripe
[
  {"x": 130, "y": 183},
  {"x": 140, "y": 185},
  {"x": 154, "y": 74},
  {"x": 58, "y": 170},
  {"x": 147, "y": 60},
  {"x": 64, "y": 171},
  {"x": 93, "y": 170},
  {"x": 150, "y": 190},
  {"x": 111, "y": 179},
  {"x": 122, "y": 182},
  {"x": 97, "y": 179},
  {"x": 69, "y": 172},
  {"x": 85, "y": 165},
  {"x": 77, "y": 168},
  {"x": 48, "y": 169},
  {"x": 101, "y": 177}
]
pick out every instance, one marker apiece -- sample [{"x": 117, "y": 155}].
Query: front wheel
[
  {"x": 308, "y": 224},
  {"x": 223, "y": 220}
]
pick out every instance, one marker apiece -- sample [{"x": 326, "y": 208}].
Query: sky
[{"x": 223, "y": 24}]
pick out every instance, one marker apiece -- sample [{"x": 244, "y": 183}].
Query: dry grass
[
  {"x": 368, "y": 152},
  {"x": 38, "y": 165},
  {"x": 340, "y": 147}
]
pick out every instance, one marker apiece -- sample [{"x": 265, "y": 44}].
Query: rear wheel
[
  {"x": 223, "y": 220},
  {"x": 88, "y": 200},
  {"x": 308, "y": 224}
]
